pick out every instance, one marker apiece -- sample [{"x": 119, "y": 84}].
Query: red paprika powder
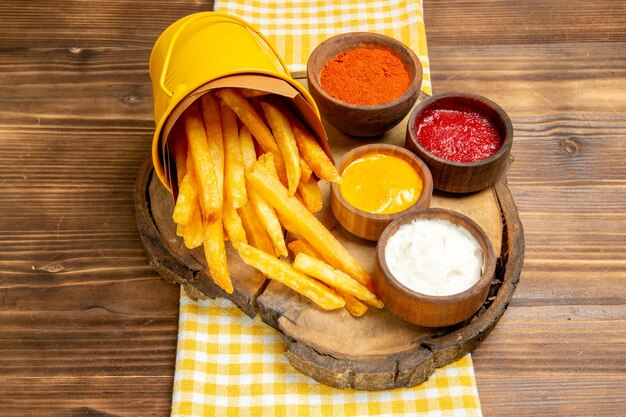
[{"x": 366, "y": 76}]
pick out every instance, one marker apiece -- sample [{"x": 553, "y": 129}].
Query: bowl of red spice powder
[
  {"x": 464, "y": 139},
  {"x": 364, "y": 83}
]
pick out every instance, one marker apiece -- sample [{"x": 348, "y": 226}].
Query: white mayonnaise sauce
[{"x": 434, "y": 257}]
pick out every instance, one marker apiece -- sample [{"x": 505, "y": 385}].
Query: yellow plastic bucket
[{"x": 201, "y": 48}]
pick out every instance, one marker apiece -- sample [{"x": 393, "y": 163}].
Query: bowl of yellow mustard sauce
[{"x": 379, "y": 182}]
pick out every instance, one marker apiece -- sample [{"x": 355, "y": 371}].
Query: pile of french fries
[{"x": 246, "y": 171}]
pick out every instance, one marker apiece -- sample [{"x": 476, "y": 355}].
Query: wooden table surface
[{"x": 87, "y": 328}]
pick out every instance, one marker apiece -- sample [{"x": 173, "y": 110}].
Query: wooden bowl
[
  {"x": 429, "y": 310},
  {"x": 463, "y": 177},
  {"x": 361, "y": 120},
  {"x": 369, "y": 225}
]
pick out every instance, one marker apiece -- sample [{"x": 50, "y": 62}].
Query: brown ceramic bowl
[
  {"x": 463, "y": 177},
  {"x": 430, "y": 310},
  {"x": 369, "y": 225},
  {"x": 361, "y": 120}
]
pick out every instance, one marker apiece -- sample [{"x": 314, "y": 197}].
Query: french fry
[
  {"x": 215, "y": 254},
  {"x": 177, "y": 145},
  {"x": 187, "y": 196},
  {"x": 214, "y": 136},
  {"x": 353, "y": 305},
  {"x": 265, "y": 212},
  {"x": 252, "y": 92},
  {"x": 234, "y": 175},
  {"x": 253, "y": 121},
  {"x": 302, "y": 246},
  {"x": 269, "y": 220},
  {"x": 312, "y": 152},
  {"x": 247, "y": 147},
  {"x": 192, "y": 232},
  {"x": 208, "y": 193},
  {"x": 307, "y": 226},
  {"x": 256, "y": 234},
  {"x": 233, "y": 225},
  {"x": 305, "y": 169},
  {"x": 311, "y": 195},
  {"x": 249, "y": 117},
  {"x": 339, "y": 280},
  {"x": 267, "y": 160},
  {"x": 286, "y": 144},
  {"x": 282, "y": 272},
  {"x": 286, "y": 223}
]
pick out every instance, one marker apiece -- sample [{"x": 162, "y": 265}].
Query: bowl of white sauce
[{"x": 434, "y": 267}]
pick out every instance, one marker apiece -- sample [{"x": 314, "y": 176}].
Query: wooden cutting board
[{"x": 374, "y": 352}]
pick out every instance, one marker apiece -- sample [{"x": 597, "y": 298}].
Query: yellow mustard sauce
[{"x": 381, "y": 184}]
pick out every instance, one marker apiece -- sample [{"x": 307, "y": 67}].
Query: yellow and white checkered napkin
[
  {"x": 230, "y": 365},
  {"x": 296, "y": 27}
]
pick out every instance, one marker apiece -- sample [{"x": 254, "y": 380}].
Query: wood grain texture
[
  {"x": 559, "y": 70},
  {"x": 376, "y": 351},
  {"x": 86, "y": 326},
  {"x": 78, "y": 300}
]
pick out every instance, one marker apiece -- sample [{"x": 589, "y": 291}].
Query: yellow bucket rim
[{"x": 185, "y": 90}]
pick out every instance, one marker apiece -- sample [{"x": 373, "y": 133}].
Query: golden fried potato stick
[
  {"x": 187, "y": 196},
  {"x": 208, "y": 193},
  {"x": 249, "y": 117},
  {"x": 302, "y": 246},
  {"x": 267, "y": 160},
  {"x": 193, "y": 232},
  {"x": 256, "y": 234},
  {"x": 214, "y": 136},
  {"x": 234, "y": 174},
  {"x": 233, "y": 225},
  {"x": 313, "y": 152},
  {"x": 253, "y": 92},
  {"x": 307, "y": 225},
  {"x": 305, "y": 169},
  {"x": 286, "y": 143},
  {"x": 269, "y": 220},
  {"x": 334, "y": 278},
  {"x": 282, "y": 272},
  {"x": 311, "y": 195},
  {"x": 287, "y": 225},
  {"x": 265, "y": 212},
  {"x": 215, "y": 254},
  {"x": 353, "y": 305},
  {"x": 247, "y": 147},
  {"x": 177, "y": 145},
  {"x": 254, "y": 122}
]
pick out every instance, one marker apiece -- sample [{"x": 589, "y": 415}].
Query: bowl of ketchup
[{"x": 464, "y": 139}]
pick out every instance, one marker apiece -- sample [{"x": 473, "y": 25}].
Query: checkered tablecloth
[
  {"x": 230, "y": 365},
  {"x": 296, "y": 27}
]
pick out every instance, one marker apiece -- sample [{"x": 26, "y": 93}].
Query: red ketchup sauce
[{"x": 457, "y": 135}]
